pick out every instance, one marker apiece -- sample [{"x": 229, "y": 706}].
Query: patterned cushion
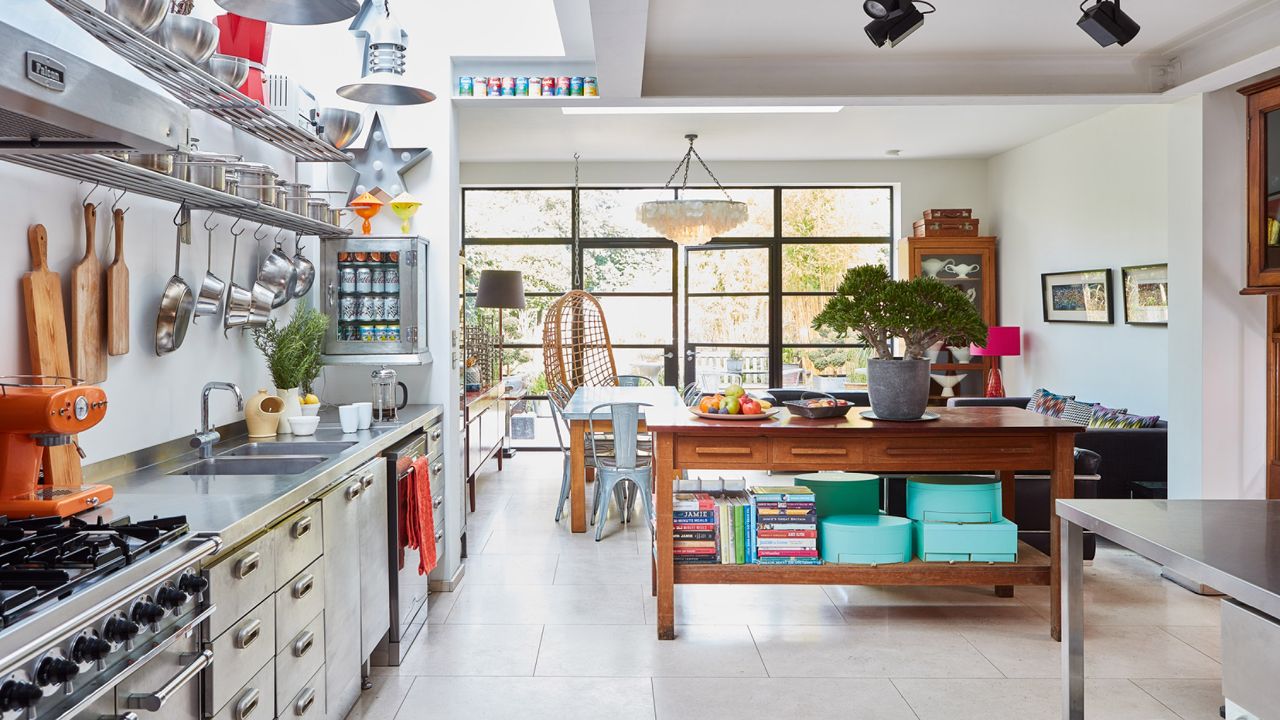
[
  {"x": 1077, "y": 412},
  {"x": 1120, "y": 420},
  {"x": 1047, "y": 403}
]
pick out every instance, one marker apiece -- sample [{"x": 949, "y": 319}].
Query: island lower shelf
[{"x": 1032, "y": 568}]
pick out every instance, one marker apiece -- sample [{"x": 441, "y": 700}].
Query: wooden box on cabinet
[
  {"x": 968, "y": 263},
  {"x": 1263, "y": 186}
]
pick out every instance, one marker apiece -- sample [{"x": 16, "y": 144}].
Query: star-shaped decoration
[{"x": 379, "y": 165}]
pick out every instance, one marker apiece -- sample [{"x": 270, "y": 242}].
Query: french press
[{"x": 384, "y": 394}]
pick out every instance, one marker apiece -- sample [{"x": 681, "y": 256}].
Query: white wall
[{"x": 1092, "y": 196}]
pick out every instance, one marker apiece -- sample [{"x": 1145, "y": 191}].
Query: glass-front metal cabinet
[
  {"x": 375, "y": 294},
  {"x": 1264, "y": 186}
]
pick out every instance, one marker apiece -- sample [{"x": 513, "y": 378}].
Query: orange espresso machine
[{"x": 34, "y": 416}]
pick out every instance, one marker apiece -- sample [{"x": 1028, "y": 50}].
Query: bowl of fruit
[
  {"x": 310, "y": 405},
  {"x": 733, "y": 404},
  {"x": 818, "y": 406}
]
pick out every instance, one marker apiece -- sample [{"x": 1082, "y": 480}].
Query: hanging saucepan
[
  {"x": 306, "y": 269},
  {"x": 239, "y": 300},
  {"x": 209, "y": 301},
  {"x": 279, "y": 275},
  {"x": 175, "y": 307},
  {"x": 259, "y": 306}
]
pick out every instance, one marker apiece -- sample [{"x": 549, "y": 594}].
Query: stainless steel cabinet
[
  {"x": 374, "y": 290},
  {"x": 375, "y": 557}
]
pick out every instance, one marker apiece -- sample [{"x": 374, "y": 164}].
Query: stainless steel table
[{"x": 1232, "y": 545}]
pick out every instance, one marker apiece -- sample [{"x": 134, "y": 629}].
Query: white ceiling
[{"x": 495, "y": 134}]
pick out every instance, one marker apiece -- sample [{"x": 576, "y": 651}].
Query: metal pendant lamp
[
  {"x": 692, "y": 222},
  {"x": 382, "y": 75},
  {"x": 293, "y": 12}
]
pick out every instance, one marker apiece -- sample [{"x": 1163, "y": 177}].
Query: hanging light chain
[{"x": 686, "y": 162}]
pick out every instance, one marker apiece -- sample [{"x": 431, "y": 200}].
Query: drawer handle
[
  {"x": 437, "y": 469},
  {"x": 723, "y": 450},
  {"x": 156, "y": 700},
  {"x": 354, "y": 490},
  {"x": 303, "y": 587},
  {"x": 367, "y": 480},
  {"x": 247, "y": 704},
  {"x": 436, "y": 435},
  {"x": 247, "y": 564},
  {"x": 819, "y": 451},
  {"x": 304, "y": 703},
  {"x": 303, "y": 644},
  {"x": 437, "y": 502},
  {"x": 247, "y": 634},
  {"x": 300, "y": 528}
]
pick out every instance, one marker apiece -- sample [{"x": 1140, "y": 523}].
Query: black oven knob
[
  {"x": 170, "y": 598},
  {"x": 89, "y": 648},
  {"x": 56, "y": 671},
  {"x": 18, "y": 695},
  {"x": 193, "y": 584},
  {"x": 146, "y": 613},
  {"x": 120, "y": 629}
]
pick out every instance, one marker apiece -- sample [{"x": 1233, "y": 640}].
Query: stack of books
[
  {"x": 709, "y": 529},
  {"x": 783, "y": 526}
]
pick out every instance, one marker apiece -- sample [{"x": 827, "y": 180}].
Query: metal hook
[
  {"x": 256, "y": 236},
  {"x": 178, "y": 219},
  {"x": 96, "y": 185},
  {"x": 206, "y": 223},
  {"x": 297, "y": 243},
  {"x": 235, "y": 225},
  {"x": 116, "y": 204}
]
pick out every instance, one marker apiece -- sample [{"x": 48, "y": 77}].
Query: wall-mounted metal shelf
[
  {"x": 122, "y": 176},
  {"x": 196, "y": 88}
]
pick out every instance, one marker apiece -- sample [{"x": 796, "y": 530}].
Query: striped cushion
[
  {"x": 1078, "y": 412},
  {"x": 1120, "y": 420},
  {"x": 1047, "y": 403}
]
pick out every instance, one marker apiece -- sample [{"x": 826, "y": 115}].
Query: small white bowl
[
  {"x": 304, "y": 424},
  {"x": 311, "y": 410}
]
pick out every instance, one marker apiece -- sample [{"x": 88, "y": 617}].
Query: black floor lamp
[{"x": 501, "y": 290}]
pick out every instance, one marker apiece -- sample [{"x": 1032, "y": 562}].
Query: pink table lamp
[{"x": 1002, "y": 341}]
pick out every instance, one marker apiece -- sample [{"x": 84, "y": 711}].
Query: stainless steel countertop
[
  {"x": 1231, "y": 545},
  {"x": 237, "y": 506}
]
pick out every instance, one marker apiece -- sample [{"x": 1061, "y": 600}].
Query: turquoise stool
[
  {"x": 953, "y": 499},
  {"x": 995, "y": 542},
  {"x": 843, "y": 493},
  {"x": 865, "y": 539}
]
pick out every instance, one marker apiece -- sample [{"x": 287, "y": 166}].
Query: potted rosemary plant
[
  {"x": 292, "y": 353},
  {"x": 918, "y": 312}
]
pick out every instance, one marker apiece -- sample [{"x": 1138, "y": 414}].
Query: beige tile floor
[{"x": 552, "y": 625}]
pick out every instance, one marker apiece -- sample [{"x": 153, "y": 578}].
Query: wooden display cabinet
[
  {"x": 968, "y": 263},
  {"x": 1263, "y": 187}
]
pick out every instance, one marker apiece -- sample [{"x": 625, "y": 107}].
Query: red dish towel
[{"x": 418, "y": 517}]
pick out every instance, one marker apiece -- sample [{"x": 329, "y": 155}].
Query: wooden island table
[{"x": 971, "y": 439}]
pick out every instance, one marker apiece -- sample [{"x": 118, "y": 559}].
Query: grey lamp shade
[{"x": 500, "y": 289}]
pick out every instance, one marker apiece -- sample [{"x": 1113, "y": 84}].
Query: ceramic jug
[
  {"x": 961, "y": 269},
  {"x": 931, "y": 266},
  {"x": 262, "y": 413}
]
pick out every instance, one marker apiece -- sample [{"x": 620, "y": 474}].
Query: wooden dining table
[{"x": 577, "y": 412}]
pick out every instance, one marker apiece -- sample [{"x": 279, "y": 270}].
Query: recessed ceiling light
[
  {"x": 699, "y": 110},
  {"x": 1107, "y": 24},
  {"x": 895, "y": 152},
  {"x": 893, "y": 20}
]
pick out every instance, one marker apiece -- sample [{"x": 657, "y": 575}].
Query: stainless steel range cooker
[{"x": 100, "y": 620}]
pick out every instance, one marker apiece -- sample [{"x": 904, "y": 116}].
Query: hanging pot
[
  {"x": 279, "y": 275},
  {"x": 209, "y": 301},
  {"x": 306, "y": 270},
  {"x": 175, "y": 308},
  {"x": 239, "y": 300}
]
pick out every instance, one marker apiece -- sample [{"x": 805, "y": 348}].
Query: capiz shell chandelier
[{"x": 692, "y": 222}]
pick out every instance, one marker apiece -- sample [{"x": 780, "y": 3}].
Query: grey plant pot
[{"x": 899, "y": 388}]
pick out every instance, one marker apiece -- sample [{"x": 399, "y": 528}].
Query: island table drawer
[
  {"x": 815, "y": 453},
  {"x": 933, "y": 453},
  {"x": 721, "y": 450}
]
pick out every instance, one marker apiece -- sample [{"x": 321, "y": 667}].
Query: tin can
[
  {"x": 563, "y": 83},
  {"x": 367, "y": 334},
  {"x": 479, "y": 86},
  {"x": 535, "y": 87},
  {"x": 522, "y": 86},
  {"x": 391, "y": 308},
  {"x": 347, "y": 281},
  {"x": 361, "y": 257},
  {"x": 379, "y": 309},
  {"x": 495, "y": 87},
  {"x": 378, "y": 280},
  {"x": 508, "y": 87},
  {"x": 391, "y": 280},
  {"x": 393, "y": 257},
  {"x": 393, "y": 333},
  {"x": 548, "y": 86},
  {"x": 375, "y": 257},
  {"x": 364, "y": 280},
  {"x": 466, "y": 86},
  {"x": 365, "y": 311},
  {"x": 347, "y": 309},
  {"x": 590, "y": 87},
  {"x": 575, "y": 85},
  {"x": 344, "y": 257}
]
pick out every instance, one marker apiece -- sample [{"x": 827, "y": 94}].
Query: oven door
[
  {"x": 168, "y": 686},
  {"x": 411, "y": 588}
]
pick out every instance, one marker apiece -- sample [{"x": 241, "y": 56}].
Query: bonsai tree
[
  {"x": 921, "y": 312},
  {"x": 293, "y": 351}
]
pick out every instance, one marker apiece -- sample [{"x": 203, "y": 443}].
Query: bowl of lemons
[{"x": 310, "y": 405}]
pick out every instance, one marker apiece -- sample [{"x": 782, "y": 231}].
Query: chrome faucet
[{"x": 206, "y": 436}]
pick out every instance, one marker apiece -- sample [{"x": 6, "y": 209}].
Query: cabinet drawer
[
  {"x": 245, "y": 646},
  {"x": 298, "y": 601},
  {"x": 299, "y": 660},
  {"x": 241, "y": 580},
  {"x": 996, "y": 452},
  {"x": 299, "y": 540},
  {"x": 815, "y": 453},
  {"x": 309, "y": 702},
  {"x": 720, "y": 450},
  {"x": 253, "y": 701},
  {"x": 435, "y": 439},
  {"x": 437, "y": 479}
]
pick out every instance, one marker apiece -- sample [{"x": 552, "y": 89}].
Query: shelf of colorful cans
[{"x": 526, "y": 87}]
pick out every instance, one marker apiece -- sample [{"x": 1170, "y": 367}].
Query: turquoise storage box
[
  {"x": 953, "y": 498},
  {"x": 865, "y": 539},
  {"x": 967, "y": 542},
  {"x": 843, "y": 493}
]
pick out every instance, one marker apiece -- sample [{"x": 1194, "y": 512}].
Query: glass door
[{"x": 727, "y": 303}]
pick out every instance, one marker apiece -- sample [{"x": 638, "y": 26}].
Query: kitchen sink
[
  {"x": 252, "y": 465},
  {"x": 275, "y": 449}
]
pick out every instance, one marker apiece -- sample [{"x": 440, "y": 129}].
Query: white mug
[
  {"x": 349, "y": 416},
  {"x": 365, "y": 411}
]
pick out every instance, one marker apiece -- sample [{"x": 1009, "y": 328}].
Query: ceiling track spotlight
[
  {"x": 893, "y": 20},
  {"x": 1107, "y": 24}
]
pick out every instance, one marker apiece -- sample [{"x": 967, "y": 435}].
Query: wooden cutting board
[
  {"x": 118, "y": 294},
  {"x": 88, "y": 321},
  {"x": 47, "y": 340}
]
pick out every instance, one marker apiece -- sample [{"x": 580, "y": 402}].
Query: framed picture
[
  {"x": 1146, "y": 294},
  {"x": 1083, "y": 296}
]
